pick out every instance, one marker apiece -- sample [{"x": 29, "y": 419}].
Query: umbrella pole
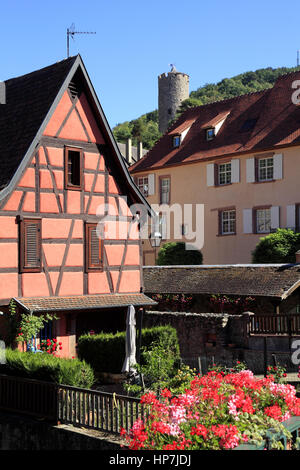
[
  {"x": 139, "y": 347},
  {"x": 141, "y": 310}
]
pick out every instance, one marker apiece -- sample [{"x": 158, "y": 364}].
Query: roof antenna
[
  {"x": 298, "y": 61},
  {"x": 70, "y": 32}
]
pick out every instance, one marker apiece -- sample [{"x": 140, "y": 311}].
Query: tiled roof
[
  {"x": 257, "y": 280},
  {"x": 28, "y": 99},
  {"x": 84, "y": 302},
  {"x": 276, "y": 124}
]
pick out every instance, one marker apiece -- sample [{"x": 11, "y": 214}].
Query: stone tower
[{"x": 173, "y": 88}]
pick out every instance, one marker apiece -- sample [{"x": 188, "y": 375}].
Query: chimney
[
  {"x": 129, "y": 152},
  {"x": 298, "y": 256},
  {"x": 139, "y": 150}
]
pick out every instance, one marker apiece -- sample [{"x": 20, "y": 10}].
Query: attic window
[
  {"x": 248, "y": 125},
  {"x": 74, "y": 89},
  {"x": 73, "y": 168},
  {"x": 210, "y": 133},
  {"x": 176, "y": 141}
]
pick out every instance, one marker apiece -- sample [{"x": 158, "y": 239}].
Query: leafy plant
[
  {"x": 277, "y": 247},
  {"x": 30, "y": 325},
  {"x": 96, "y": 348},
  {"x": 174, "y": 253},
  {"x": 218, "y": 411},
  {"x": 47, "y": 367},
  {"x": 277, "y": 372},
  {"x": 223, "y": 303}
]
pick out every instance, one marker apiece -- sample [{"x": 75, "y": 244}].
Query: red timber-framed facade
[{"x": 62, "y": 179}]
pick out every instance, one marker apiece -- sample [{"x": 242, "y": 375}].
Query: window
[
  {"x": 47, "y": 331},
  {"x": 265, "y": 169},
  {"x": 176, "y": 141},
  {"x": 248, "y": 125},
  {"x": 184, "y": 229},
  {"x": 263, "y": 220},
  {"x": 297, "y": 218},
  {"x": 228, "y": 222},
  {"x": 210, "y": 133},
  {"x": 165, "y": 190},
  {"x": 30, "y": 245},
  {"x": 73, "y": 168},
  {"x": 224, "y": 174},
  {"x": 163, "y": 226},
  {"x": 93, "y": 249},
  {"x": 143, "y": 185}
]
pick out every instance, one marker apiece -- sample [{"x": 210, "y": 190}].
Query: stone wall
[
  {"x": 21, "y": 433},
  {"x": 219, "y": 338}
]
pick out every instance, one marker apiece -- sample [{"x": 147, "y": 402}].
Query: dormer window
[
  {"x": 176, "y": 141},
  {"x": 210, "y": 133}
]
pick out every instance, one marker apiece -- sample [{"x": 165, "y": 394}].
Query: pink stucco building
[{"x": 62, "y": 178}]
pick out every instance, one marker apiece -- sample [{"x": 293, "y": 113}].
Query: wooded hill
[{"x": 145, "y": 128}]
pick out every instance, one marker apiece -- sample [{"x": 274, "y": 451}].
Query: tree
[
  {"x": 174, "y": 253},
  {"x": 186, "y": 104},
  {"x": 278, "y": 247}
]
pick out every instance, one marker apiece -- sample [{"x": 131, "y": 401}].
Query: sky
[{"x": 135, "y": 41}]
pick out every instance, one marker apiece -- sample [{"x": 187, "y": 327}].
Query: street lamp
[{"x": 155, "y": 240}]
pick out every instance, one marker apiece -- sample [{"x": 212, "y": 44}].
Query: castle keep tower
[{"x": 173, "y": 88}]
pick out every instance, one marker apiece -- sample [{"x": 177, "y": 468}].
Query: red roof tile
[{"x": 276, "y": 124}]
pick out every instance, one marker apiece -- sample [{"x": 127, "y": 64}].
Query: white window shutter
[
  {"x": 210, "y": 174},
  {"x": 247, "y": 221},
  {"x": 291, "y": 216},
  {"x": 235, "y": 170},
  {"x": 277, "y": 159},
  {"x": 151, "y": 184},
  {"x": 275, "y": 221},
  {"x": 250, "y": 170}
]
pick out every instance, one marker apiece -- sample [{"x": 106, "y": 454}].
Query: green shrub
[
  {"x": 277, "y": 247},
  {"x": 175, "y": 253},
  {"x": 42, "y": 366},
  {"x": 105, "y": 352}
]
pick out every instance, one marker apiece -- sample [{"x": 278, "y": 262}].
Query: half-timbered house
[{"x": 68, "y": 239}]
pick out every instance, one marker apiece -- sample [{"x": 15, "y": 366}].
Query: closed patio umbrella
[{"x": 130, "y": 347}]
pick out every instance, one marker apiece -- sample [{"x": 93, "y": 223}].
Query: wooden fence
[
  {"x": 31, "y": 397},
  {"x": 98, "y": 410},
  {"x": 274, "y": 325},
  {"x": 64, "y": 404}
]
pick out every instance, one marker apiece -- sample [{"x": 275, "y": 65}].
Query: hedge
[
  {"x": 42, "y": 366},
  {"x": 105, "y": 352}
]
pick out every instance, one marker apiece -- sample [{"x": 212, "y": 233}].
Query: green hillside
[{"x": 145, "y": 128}]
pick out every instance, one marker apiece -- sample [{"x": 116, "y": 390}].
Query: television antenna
[{"x": 71, "y": 32}]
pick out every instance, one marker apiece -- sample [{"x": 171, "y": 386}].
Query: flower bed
[{"x": 218, "y": 411}]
